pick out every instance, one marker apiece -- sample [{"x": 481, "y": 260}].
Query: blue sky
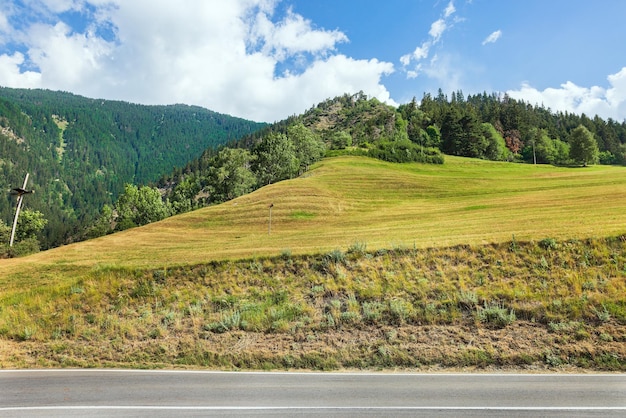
[{"x": 268, "y": 59}]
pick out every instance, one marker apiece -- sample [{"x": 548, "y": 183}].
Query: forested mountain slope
[{"x": 80, "y": 152}]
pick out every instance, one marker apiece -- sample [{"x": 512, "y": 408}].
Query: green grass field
[
  {"x": 368, "y": 265},
  {"x": 346, "y": 200}
]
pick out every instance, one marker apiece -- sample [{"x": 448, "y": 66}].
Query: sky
[{"x": 265, "y": 60}]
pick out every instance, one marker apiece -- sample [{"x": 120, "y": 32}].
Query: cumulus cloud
[
  {"x": 64, "y": 58},
  {"x": 493, "y": 37},
  {"x": 605, "y": 102},
  {"x": 294, "y": 35},
  {"x": 12, "y": 76},
  {"x": 221, "y": 55}
]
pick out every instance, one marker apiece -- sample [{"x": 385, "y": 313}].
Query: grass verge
[{"x": 521, "y": 304}]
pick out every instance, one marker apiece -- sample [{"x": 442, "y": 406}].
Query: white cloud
[
  {"x": 219, "y": 54},
  {"x": 437, "y": 28},
  {"x": 493, "y": 37},
  {"x": 616, "y": 96},
  {"x": 421, "y": 52},
  {"x": 595, "y": 100},
  {"x": 4, "y": 23},
  {"x": 405, "y": 59},
  {"x": 66, "y": 59},
  {"x": 11, "y": 75},
  {"x": 450, "y": 9},
  {"x": 294, "y": 35},
  {"x": 339, "y": 73},
  {"x": 60, "y": 6}
]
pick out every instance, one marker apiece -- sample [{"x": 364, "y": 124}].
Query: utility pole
[
  {"x": 269, "y": 226},
  {"x": 20, "y": 198}
]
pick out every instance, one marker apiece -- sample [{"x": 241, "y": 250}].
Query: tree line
[{"x": 530, "y": 133}]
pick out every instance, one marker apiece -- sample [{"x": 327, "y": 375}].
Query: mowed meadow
[
  {"x": 345, "y": 200},
  {"x": 365, "y": 264}
]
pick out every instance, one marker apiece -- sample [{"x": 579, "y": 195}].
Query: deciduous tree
[
  {"x": 583, "y": 146},
  {"x": 309, "y": 147},
  {"x": 275, "y": 159},
  {"x": 140, "y": 206},
  {"x": 231, "y": 174},
  {"x": 29, "y": 225}
]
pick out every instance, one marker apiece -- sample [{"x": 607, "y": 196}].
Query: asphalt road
[{"x": 184, "y": 393}]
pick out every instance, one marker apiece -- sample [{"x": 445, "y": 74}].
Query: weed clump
[
  {"x": 548, "y": 244},
  {"x": 495, "y": 315}
]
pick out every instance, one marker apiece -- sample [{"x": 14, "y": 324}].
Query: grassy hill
[
  {"x": 348, "y": 200},
  {"x": 360, "y": 250}
]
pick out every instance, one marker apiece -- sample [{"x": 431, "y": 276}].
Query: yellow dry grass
[{"x": 346, "y": 200}]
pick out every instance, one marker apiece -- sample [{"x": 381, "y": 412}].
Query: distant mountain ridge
[{"x": 80, "y": 151}]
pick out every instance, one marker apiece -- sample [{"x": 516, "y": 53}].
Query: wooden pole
[
  {"x": 269, "y": 225},
  {"x": 20, "y": 198}
]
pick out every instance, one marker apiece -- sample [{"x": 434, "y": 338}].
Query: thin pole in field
[
  {"x": 269, "y": 226},
  {"x": 20, "y": 198}
]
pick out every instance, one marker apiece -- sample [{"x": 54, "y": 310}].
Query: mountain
[{"x": 80, "y": 152}]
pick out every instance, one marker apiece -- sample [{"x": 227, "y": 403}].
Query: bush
[
  {"x": 21, "y": 248},
  {"x": 358, "y": 248},
  {"x": 496, "y": 315},
  {"x": 548, "y": 244},
  {"x": 406, "y": 152},
  {"x": 467, "y": 300},
  {"x": 229, "y": 321},
  {"x": 336, "y": 256}
]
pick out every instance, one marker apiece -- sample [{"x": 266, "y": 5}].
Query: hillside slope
[
  {"x": 368, "y": 265},
  {"x": 348, "y": 200},
  {"x": 80, "y": 152}
]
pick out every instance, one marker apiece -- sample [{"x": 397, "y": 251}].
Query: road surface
[{"x": 199, "y": 393}]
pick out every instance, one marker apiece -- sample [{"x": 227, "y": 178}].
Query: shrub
[
  {"x": 22, "y": 248},
  {"x": 467, "y": 299},
  {"x": 372, "y": 312},
  {"x": 229, "y": 321},
  {"x": 548, "y": 244},
  {"x": 496, "y": 315},
  {"x": 350, "y": 317},
  {"x": 26, "y": 334},
  {"x": 400, "y": 310},
  {"x": 406, "y": 152},
  {"x": 357, "y": 248},
  {"x": 336, "y": 256},
  {"x": 602, "y": 315}
]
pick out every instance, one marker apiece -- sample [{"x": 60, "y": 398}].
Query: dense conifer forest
[{"x": 81, "y": 152}]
